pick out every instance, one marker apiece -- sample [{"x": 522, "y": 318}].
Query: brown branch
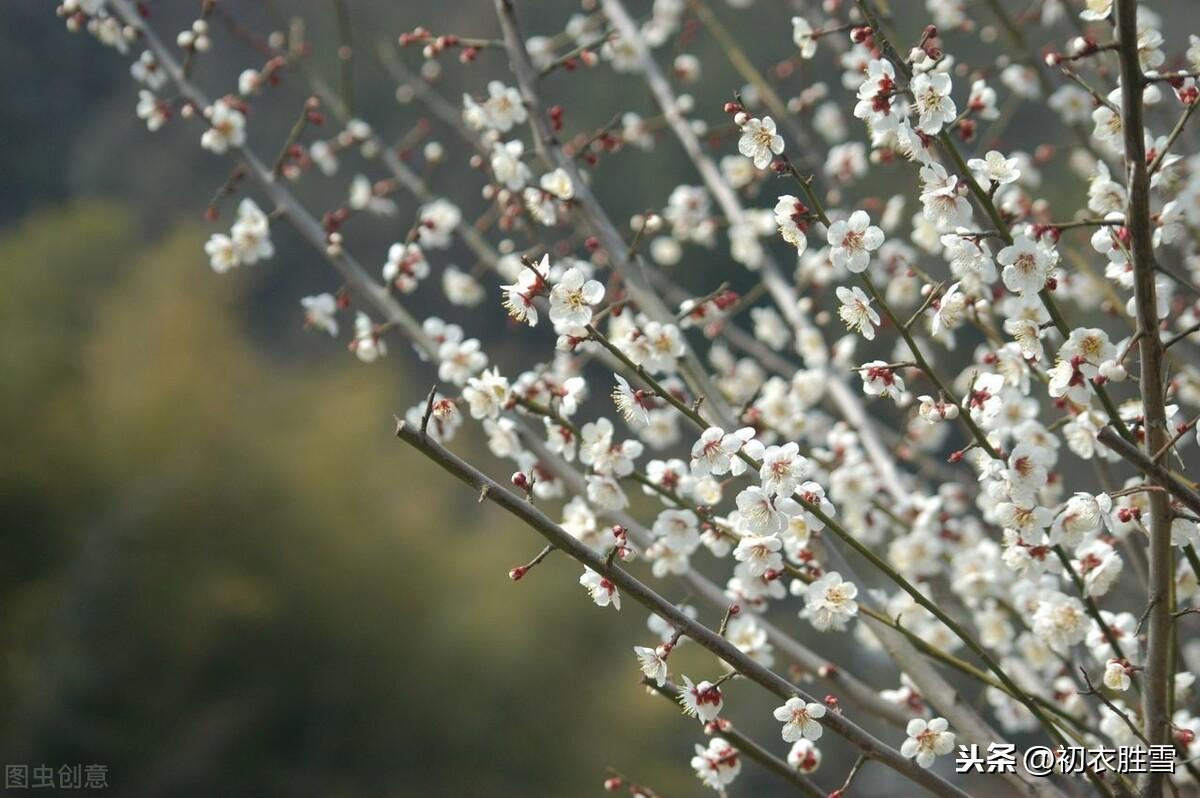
[
  {"x": 1156, "y": 470},
  {"x": 1156, "y": 699}
]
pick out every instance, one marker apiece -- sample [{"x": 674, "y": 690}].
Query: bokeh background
[{"x": 219, "y": 573}]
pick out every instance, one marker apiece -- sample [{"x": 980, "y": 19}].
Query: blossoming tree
[{"x": 953, "y": 468}]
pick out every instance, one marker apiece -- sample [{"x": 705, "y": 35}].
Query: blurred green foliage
[{"x": 222, "y": 576}]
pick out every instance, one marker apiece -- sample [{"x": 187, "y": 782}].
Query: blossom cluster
[{"x": 896, "y": 432}]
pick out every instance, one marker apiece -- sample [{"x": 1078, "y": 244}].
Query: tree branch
[{"x": 1156, "y": 706}]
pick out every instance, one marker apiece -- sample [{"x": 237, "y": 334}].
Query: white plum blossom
[
  {"x": 602, "y": 591},
  {"x": 1026, "y": 266},
  {"x": 702, "y": 701},
  {"x": 799, "y": 719},
  {"x": 153, "y": 111},
  {"x": 507, "y": 165},
  {"x": 1116, "y": 675},
  {"x": 486, "y": 394},
  {"x": 927, "y": 739},
  {"x": 760, "y": 553},
  {"x": 880, "y": 379},
  {"x": 558, "y": 183},
  {"x": 802, "y": 35},
  {"x": 935, "y": 108},
  {"x": 759, "y": 141},
  {"x": 633, "y": 405},
  {"x": 227, "y": 127},
  {"x": 504, "y": 107},
  {"x": 995, "y": 168},
  {"x": 368, "y": 345},
  {"x": 804, "y": 756},
  {"x": 251, "y": 233},
  {"x": 652, "y": 663},
  {"x": 572, "y": 298},
  {"x": 716, "y": 452},
  {"x": 222, "y": 254},
  {"x": 791, "y": 218},
  {"x": 852, "y": 240},
  {"x": 718, "y": 764},
  {"x": 856, "y": 311},
  {"x": 829, "y": 602},
  {"x": 783, "y": 468},
  {"x": 320, "y": 313}
]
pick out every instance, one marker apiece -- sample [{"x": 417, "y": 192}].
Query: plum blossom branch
[{"x": 640, "y": 592}]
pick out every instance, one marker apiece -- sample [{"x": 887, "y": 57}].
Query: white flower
[
  {"x": 791, "y": 217},
  {"x": 718, "y": 765},
  {"x": 152, "y": 111},
  {"x": 799, "y": 720},
  {"x": 881, "y": 380},
  {"x": 933, "y": 412},
  {"x": 572, "y": 297},
  {"x": 715, "y": 452},
  {"x": 406, "y": 266},
  {"x": 982, "y": 100},
  {"x": 852, "y": 241},
  {"x": 519, "y": 296},
  {"x": 320, "y": 312},
  {"x": 503, "y": 108},
  {"x": 876, "y": 94},
  {"x": 1026, "y": 266},
  {"x": 942, "y": 203},
  {"x": 802, "y": 35},
  {"x": 702, "y": 701},
  {"x": 605, "y": 492},
  {"x": 927, "y": 740},
  {"x": 148, "y": 71},
  {"x": 363, "y": 198},
  {"x": 602, "y": 591},
  {"x": 759, "y": 142},
  {"x": 459, "y": 360},
  {"x": 934, "y": 106},
  {"x": 227, "y": 128},
  {"x": 654, "y": 667},
  {"x": 249, "y": 82},
  {"x": 1099, "y": 565},
  {"x": 486, "y": 394},
  {"x": 507, "y": 166},
  {"x": 1096, "y": 9},
  {"x": 559, "y": 184},
  {"x": 222, "y": 254},
  {"x": 856, "y": 311},
  {"x": 251, "y": 233},
  {"x": 461, "y": 288},
  {"x": 804, "y": 756},
  {"x": 436, "y": 223},
  {"x": 1116, "y": 676},
  {"x": 782, "y": 469},
  {"x": 829, "y": 602},
  {"x": 995, "y": 168},
  {"x": 763, "y": 514},
  {"x": 760, "y": 553},
  {"x": 1083, "y": 514},
  {"x": 367, "y": 345},
  {"x": 634, "y": 406},
  {"x": 679, "y": 528},
  {"x": 1060, "y": 621}
]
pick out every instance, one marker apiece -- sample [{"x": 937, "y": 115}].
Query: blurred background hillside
[{"x": 220, "y": 573}]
